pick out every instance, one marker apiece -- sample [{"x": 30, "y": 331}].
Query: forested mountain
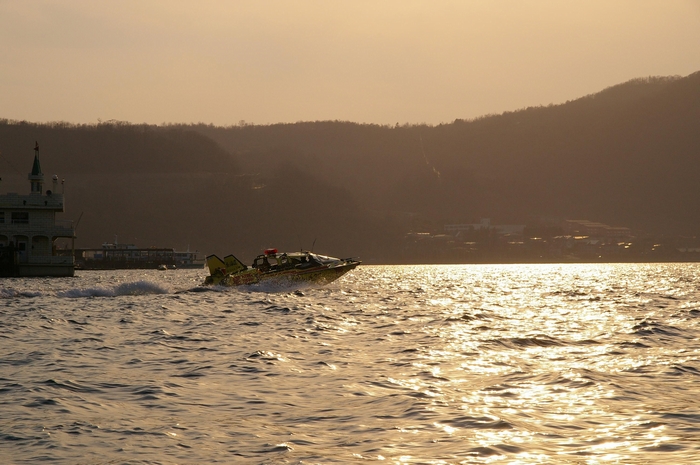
[{"x": 627, "y": 156}]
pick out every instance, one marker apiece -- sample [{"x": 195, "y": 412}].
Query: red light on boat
[{"x": 270, "y": 251}]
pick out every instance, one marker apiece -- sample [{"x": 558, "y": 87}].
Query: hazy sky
[{"x": 374, "y": 61}]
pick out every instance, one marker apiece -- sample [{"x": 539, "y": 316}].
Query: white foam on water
[
  {"x": 10, "y": 293},
  {"x": 276, "y": 286},
  {"x": 131, "y": 288}
]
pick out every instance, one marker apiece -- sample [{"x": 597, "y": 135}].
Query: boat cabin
[{"x": 273, "y": 261}]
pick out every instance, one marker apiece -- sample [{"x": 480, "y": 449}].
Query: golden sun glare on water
[{"x": 533, "y": 348}]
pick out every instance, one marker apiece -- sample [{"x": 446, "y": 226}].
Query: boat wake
[
  {"x": 271, "y": 286},
  {"x": 10, "y": 293},
  {"x": 277, "y": 286},
  {"x": 146, "y": 287},
  {"x": 131, "y": 288}
]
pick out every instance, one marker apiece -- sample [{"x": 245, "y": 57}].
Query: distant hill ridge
[{"x": 628, "y": 155}]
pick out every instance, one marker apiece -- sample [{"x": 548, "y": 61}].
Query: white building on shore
[
  {"x": 29, "y": 229},
  {"x": 484, "y": 224}
]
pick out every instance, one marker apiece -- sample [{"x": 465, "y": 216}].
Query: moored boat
[
  {"x": 118, "y": 256},
  {"x": 292, "y": 266}
]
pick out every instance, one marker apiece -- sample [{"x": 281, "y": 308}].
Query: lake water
[{"x": 496, "y": 364}]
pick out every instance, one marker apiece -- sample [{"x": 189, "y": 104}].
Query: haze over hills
[{"x": 626, "y": 156}]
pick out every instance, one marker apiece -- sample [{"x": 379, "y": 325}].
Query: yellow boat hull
[{"x": 287, "y": 267}]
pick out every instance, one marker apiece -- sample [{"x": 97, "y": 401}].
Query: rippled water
[{"x": 517, "y": 364}]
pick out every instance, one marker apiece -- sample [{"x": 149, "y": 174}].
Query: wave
[
  {"x": 142, "y": 287},
  {"x": 539, "y": 340},
  {"x": 649, "y": 327},
  {"x": 132, "y": 288},
  {"x": 278, "y": 286},
  {"x": 9, "y": 293},
  {"x": 270, "y": 286}
]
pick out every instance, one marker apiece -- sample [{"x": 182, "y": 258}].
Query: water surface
[{"x": 504, "y": 364}]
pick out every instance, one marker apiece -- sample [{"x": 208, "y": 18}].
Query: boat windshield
[
  {"x": 322, "y": 259},
  {"x": 266, "y": 262}
]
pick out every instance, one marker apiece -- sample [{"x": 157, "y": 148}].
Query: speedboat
[{"x": 292, "y": 266}]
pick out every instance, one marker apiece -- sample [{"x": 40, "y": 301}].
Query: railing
[
  {"x": 32, "y": 201},
  {"x": 64, "y": 223},
  {"x": 60, "y": 229}
]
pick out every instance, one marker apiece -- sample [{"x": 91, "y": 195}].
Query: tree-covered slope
[{"x": 628, "y": 155}]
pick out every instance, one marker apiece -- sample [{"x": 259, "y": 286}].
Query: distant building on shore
[
  {"x": 115, "y": 256},
  {"x": 29, "y": 229},
  {"x": 485, "y": 224},
  {"x": 591, "y": 228}
]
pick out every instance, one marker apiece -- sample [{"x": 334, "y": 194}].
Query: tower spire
[{"x": 36, "y": 177}]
